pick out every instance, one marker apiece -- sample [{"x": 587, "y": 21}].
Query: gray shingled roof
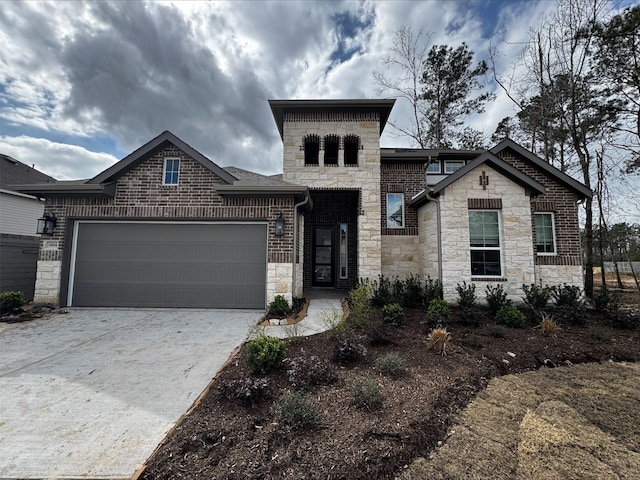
[
  {"x": 13, "y": 172},
  {"x": 246, "y": 177}
]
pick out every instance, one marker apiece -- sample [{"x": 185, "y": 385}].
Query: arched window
[
  {"x": 311, "y": 149},
  {"x": 351, "y": 147},
  {"x": 331, "y": 145}
]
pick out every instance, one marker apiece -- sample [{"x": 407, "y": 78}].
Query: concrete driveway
[{"x": 92, "y": 392}]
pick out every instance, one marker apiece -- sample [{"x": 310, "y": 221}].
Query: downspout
[
  {"x": 295, "y": 238},
  {"x": 428, "y": 192}
]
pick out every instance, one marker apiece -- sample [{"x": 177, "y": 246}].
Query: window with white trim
[
  {"x": 545, "y": 233},
  {"x": 451, "y": 166},
  {"x": 171, "y": 172},
  {"x": 433, "y": 167},
  {"x": 344, "y": 250},
  {"x": 395, "y": 210},
  {"x": 484, "y": 242}
]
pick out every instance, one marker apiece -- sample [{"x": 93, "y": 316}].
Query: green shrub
[
  {"x": 536, "y": 297},
  {"x": 264, "y": 354},
  {"x": 11, "y": 301},
  {"x": 432, "y": 290},
  {"x": 413, "y": 292},
  {"x": 279, "y": 307},
  {"x": 397, "y": 291},
  {"x": 391, "y": 364},
  {"x": 497, "y": 331},
  {"x": 569, "y": 304},
  {"x": 349, "y": 349},
  {"x": 466, "y": 296},
  {"x": 296, "y": 411},
  {"x": 248, "y": 391},
  {"x": 606, "y": 301},
  {"x": 360, "y": 306},
  {"x": 439, "y": 312},
  {"x": 366, "y": 393},
  {"x": 496, "y": 298},
  {"x": 304, "y": 373},
  {"x": 393, "y": 314},
  {"x": 381, "y": 291},
  {"x": 601, "y": 333},
  {"x": 511, "y": 317}
]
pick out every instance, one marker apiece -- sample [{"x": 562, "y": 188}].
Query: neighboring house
[
  {"x": 166, "y": 226},
  {"x": 18, "y": 217}
]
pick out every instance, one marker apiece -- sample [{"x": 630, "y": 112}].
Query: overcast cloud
[{"x": 83, "y": 84}]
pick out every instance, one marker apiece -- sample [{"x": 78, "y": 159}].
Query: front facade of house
[{"x": 167, "y": 227}]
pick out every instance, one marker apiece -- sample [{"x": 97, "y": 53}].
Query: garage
[{"x": 168, "y": 264}]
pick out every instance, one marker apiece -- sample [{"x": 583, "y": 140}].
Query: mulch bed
[{"x": 221, "y": 439}]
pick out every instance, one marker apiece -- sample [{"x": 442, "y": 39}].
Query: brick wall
[
  {"x": 401, "y": 177},
  {"x": 140, "y": 194}
]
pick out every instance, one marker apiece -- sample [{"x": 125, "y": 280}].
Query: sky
[{"x": 83, "y": 84}]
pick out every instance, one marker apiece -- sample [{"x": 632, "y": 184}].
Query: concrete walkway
[
  {"x": 91, "y": 393},
  {"x": 321, "y": 313}
]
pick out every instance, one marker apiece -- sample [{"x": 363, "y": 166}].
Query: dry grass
[
  {"x": 438, "y": 340},
  {"x": 580, "y": 422}
]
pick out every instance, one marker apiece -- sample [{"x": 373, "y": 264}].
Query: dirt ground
[{"x": 222, "y": 439}]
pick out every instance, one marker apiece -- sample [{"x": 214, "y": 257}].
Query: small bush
[
  {"x": 249, "y": 391},
  {"x": 549, "y": 326},
  {"x": 366, "y": 393},
  {"x": 332, "y": 319},
  {"x": 391, "y": 364},
  {"x": 466, "y": 295},
  {"x": 360, "y": 306},
  {"x": 511, "y": 317},
  {"x": 601, "y": 333},
  {"x": 624, "y": 320},
  {"x": 606, "y": 301},
  {"x": 413, "y": 292},
  {"x": 264, "y": 354},
  {"x": 11, "y": 301},
  {"x": 349, "y": 350},
  {"x": 432, "y": 290},
  {"x": 296, "y": 411},
  {"x": 496, "y": 298},
  {"x": 473, "y": 341},
  {"x": 569, "y": 304},
  {"x": 381, "y": 291},
  {"x": 439, "y": 312},
  {"x": 304, "y": 373},
  {"x": 536, "y": 297},
  {"x": 393, "y": 314},
  {"x": 279, "y": 307},
  {"x": 439, "y": 339},
  {"x": 497, "y": 331}
]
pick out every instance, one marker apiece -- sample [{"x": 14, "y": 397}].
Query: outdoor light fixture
[
  {"x": 280, "y": 226},
  {"x": 46, "y": 224}
]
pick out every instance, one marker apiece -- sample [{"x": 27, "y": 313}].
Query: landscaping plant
[
  {"x": 511, "y": 317},
  {"x": 413, "y": 292},
  {"x": 536, "y": 297},
  {"x": 279, "y": 307},
  {"x": 349, "y": 349},
  {"x": 439, "y": 312},
  {"x": 439, "y": 339},
  {"x": 496, "y": 298},
  {"x": 264, "y": 354},
  {"x": 569, "y": 304},
  {"x": 305, "y": 373},
  {"x": 549, "y": 326},
  {"x": 366, "y": 393},
  {"x": 360, "y": 306},
  {"x": 391, "y": 364},
  {"x": 248, "y": 391},
  {"x": 432, "y": 290},
  {"x": 393, "y": 314},
  {"x": 296, "y": 411},
  {"x": 10, "y": 301}
]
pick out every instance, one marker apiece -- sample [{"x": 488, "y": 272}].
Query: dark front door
[{"x": 323, "y": 255}]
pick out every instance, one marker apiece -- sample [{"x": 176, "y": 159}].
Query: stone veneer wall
[
  {"x": 429, "y": 245},
  {"x": 140, "y": 194},
  {"x": 364, "y": 177},
  {"x": 400, "y": 256},
  {"x": 516, "y": 234}
]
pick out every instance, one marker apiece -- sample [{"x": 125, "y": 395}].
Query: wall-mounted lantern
[
  {"x": 46, "y": 224},
  {"x": 280, "y": 226}
]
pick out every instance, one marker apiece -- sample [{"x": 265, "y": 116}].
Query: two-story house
[{"x": 168, "y": 227}]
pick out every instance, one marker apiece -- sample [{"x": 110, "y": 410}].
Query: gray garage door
[{"x": 169, "y": 265}]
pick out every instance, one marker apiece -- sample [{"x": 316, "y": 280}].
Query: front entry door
[{"x": 323, "y": 255}]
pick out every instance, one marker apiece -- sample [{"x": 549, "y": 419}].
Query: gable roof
[
  {"x": 133, "y": 159},
  {"x": 571, "y": 183},
  {"x": 529, "y": 184},
  {"x": 14, "y": 172},
  {"x": 280, "y": 107}
]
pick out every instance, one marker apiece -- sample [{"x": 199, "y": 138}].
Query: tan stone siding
[
  {"x": 428, "y": 240},
  {"x": 400, "y": 256},
  {"x": 364, "y": 177},
  {"x": 516, "y": 235}
]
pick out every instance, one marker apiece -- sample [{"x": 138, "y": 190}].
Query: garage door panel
[{"x": 170, "y": 265}]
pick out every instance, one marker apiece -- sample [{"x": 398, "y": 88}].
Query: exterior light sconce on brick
[
  {"x": 46, "y": 224},
  {"x": 280, "y": 226}
]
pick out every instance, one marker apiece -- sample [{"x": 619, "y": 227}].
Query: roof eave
[
  {"x": 100, "y": 190},
  {"x": 263, "y": 191}
]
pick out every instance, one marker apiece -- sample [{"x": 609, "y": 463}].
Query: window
[
  {"x": 451, "y": 166},
  {"x": 351, "y": 147},
  {"x": 545, "y": 235},
  {"x": 171, "y": 171},
  {"x": 433, "y": 167},
  {"x": 331, "y": 143},
  {"x": 484, "y": 240},
  {"x": 395, "y": 210},
  {"x": 311, "y": 149},
  {"x": 344, "y": 249}
]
